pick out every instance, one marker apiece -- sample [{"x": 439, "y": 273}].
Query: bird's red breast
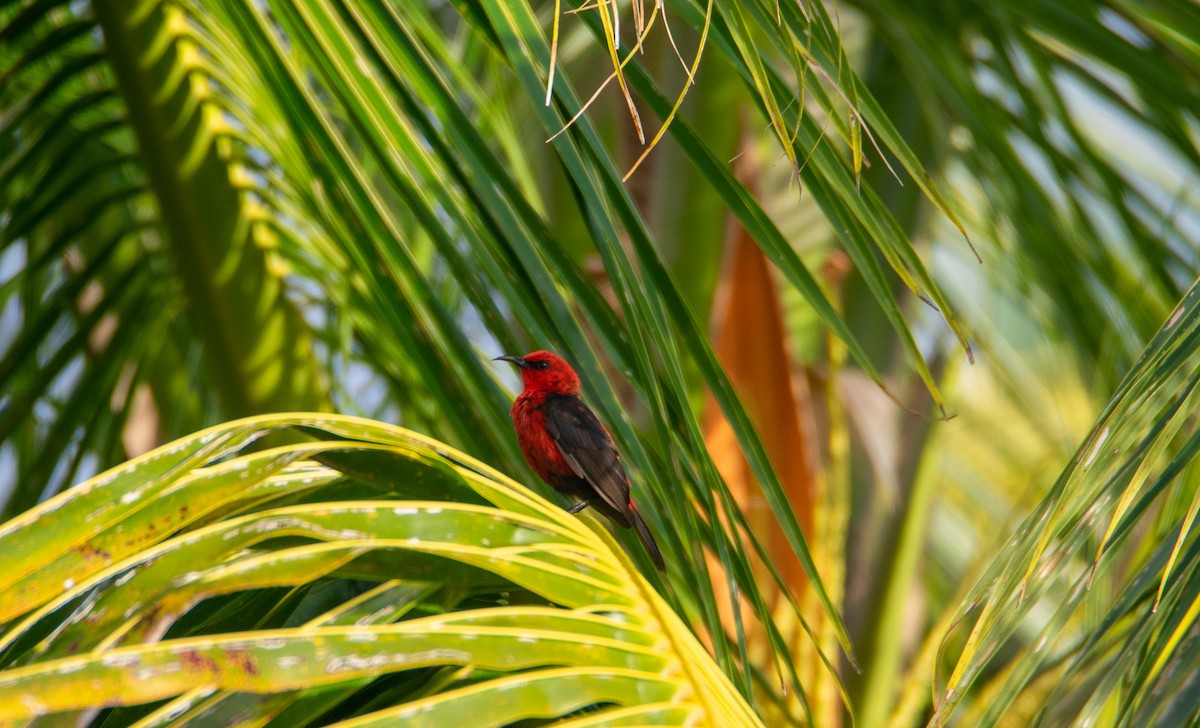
[{"x": 538, "y": 447}]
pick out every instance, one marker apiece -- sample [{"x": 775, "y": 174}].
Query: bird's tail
[{"x": 643, "y": 532}]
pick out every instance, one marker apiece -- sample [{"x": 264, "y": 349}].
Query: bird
[{"x": 565, "y": 444}]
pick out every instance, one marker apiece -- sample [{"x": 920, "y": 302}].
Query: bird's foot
[{"x": 579, "y": 506}]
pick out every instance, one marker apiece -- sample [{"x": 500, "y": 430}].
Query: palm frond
[
  {"x": 531, "y": 604},
  {"x": 1074, "y": 579}
]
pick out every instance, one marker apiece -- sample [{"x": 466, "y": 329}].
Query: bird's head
[{"x": 543, "y": 371}]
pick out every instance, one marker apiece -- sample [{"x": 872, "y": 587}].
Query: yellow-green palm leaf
[{"x": 509, "y": 607}]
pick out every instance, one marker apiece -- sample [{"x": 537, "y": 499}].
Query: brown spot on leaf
[
  {"x": 87, "y": 550},
  {"x": 242, "y": 660},
  {"x": 196, "y": 662}
]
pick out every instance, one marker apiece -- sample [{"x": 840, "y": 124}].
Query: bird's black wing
[{"x": 588, "y": 449}]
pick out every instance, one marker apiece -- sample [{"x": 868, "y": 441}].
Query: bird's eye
[{"x": 543, "y": 365}]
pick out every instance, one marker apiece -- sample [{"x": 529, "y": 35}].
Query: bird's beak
[{"x": 513, "y": 359}]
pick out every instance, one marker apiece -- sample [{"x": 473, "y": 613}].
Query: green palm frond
[
  {"x": 1102, "y": 608},
  {"x": 1070, "y": 147},
  {"x": 499, "y": 599},
  {"x": 129, "y": 217}
]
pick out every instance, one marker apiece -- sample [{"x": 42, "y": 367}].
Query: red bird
[{"x": 567, "y": 446}]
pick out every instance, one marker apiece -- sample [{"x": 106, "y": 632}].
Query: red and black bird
[{"x": 567, "y": 446}]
